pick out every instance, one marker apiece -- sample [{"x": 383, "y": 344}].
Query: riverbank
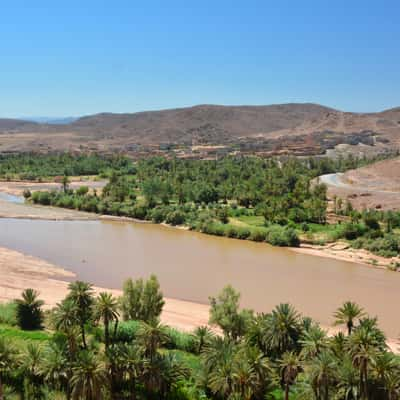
[
  {"x": 19, "y": 271},
  {"x": 337, "y": 250},
  {"x": 343, "y": 251},
  {"x": 9, "y": 209}
]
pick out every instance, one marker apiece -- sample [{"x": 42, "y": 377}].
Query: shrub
[
  {"x": 180, "y": 340},
  {"x": 139, "y": 211},
  {"x": 27, "y": 194},
  {"x": 82, "y": 191},
  {"x": 127, "y": 331},
  {"x": 258, "y": 235},
  {"x": 282, "y": 236},
  {"x": 8, "y": 313},
  {"x": 29, "y": 310},
  {"x": 243, "y": 233},
  {"x": 222, "y": 215},
  {"x": 231, "y": 232},
  {"x": 351, "y": 231},
  {"x": 158, "y": 214},
  {"x": 175, "y": 218}
]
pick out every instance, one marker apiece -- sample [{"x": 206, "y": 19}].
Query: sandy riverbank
[
  {"x": 19, "y": 271},
  {"x": 342, "y": 251},
  {"x": 339, "y": 250}
]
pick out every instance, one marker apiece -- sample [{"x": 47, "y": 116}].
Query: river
[{"x": 193, "y": 266}]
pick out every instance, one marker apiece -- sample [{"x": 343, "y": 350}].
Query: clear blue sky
[{"x": 60, "y": 58}]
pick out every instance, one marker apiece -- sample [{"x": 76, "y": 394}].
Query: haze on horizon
[{"x": 78, "y": 59}]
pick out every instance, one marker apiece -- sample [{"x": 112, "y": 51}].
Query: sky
[{"x": 71, "y": 58}]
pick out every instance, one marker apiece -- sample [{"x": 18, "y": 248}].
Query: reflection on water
[
  {"x": 11, "y": 198},
  {"x": 194, "y": 266}
]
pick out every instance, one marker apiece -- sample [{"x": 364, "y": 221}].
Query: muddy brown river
[{"x": 193, "y": 266}]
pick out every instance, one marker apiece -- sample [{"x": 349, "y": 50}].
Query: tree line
[{"x": 103, "y": 347}]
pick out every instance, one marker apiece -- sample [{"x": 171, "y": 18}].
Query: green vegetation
[
  {"x": 275, "y": 355},
  {"x": 277, "y": 201},
  {"x": 32, "y": 166}
]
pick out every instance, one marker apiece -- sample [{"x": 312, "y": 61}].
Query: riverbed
[{"x": 193, "y": 266}]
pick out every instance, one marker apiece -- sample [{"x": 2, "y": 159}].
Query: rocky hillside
[{"x": 298, "y": 128}]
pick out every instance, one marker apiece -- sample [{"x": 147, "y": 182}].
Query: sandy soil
[
  {"x": 19, "y": 271},
  {"x": 14, "y": 210},
  {"x": 342, "y": 251},
  {"x": 374, "y": 186},
  {"x": 17, "y": 188}
]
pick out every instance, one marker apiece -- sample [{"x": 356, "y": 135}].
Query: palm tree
[
  {"x": 89, "y": 377},
  {"x": 151, "y": 337},
  {"x": 362, "y": 347},
  {"x": 31, "y": 367},
  {"x": 132, "y": 362},
  {"x": 313, "y": 341},
  {"x": 171, "y": 372},
  {"x": 202, "y": 336},
  {"x": 245, "y": 379},
  {"x": 255, "y": 359},
  {"x": 347, "y": 313},
  {"x": 216, "y": 352},
  {"x": 386, "y": 369},
  {"x": 81, "y": 294},
  {"x": 290, "y": 366},
  {"x": 283, "y": 329},
  {"x": 65, "y": 319},
  {"x": 347, "y": 380},
  {"x": 8, "y": 358},
  {"x": 29, "y": 310},
  {"x": 106, "y": 309},
  {"x": 55, "y": 367},
  {"x": 221, "y": 378},
  {"x": 321, "y": 371}
]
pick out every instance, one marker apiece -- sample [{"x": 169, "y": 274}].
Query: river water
[{"x": 193, "y": 266}]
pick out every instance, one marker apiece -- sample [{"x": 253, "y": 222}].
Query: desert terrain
[
  {"x": 373, "y": 186},
  {"x": 210, "y": 131}
]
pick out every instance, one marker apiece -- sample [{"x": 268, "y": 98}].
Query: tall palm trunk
[
  {"x": 133, "y": 388},
  {"x": 286, "y": 391},
  {"x": 1, "y": 389},
  {"x": 83, "y": 336},
  {"x": 106, "y": 333}
]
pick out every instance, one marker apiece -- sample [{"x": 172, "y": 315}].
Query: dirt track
[{"x": 374, "y": 186}]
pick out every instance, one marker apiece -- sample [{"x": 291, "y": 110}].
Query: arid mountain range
[{"x": 210, "y": 130}]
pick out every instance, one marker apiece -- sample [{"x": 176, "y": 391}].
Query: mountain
[
  {"x": 52, "y": 120},
  {"x": 9, "y": 124},
  {"x": 273, "y": 129}
]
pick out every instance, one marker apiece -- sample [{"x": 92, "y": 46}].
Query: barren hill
[{"x": 285, "y": 128}]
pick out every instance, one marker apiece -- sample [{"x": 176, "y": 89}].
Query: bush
[
  {"x": 139, "y": 211},
  {"x": 282, "y": 236},
  {"x": 258, "y": 235},
  {"x": 231, "y": 232},
  {"x": 351, "y": 231},
  {"x": 8, "y": 313},
  {"x": 29, "y": 311},
  {"x": 180, "y": 340},
  {"x": 222, "y": 215},
  {"x": 127, "y": 331},
  {"x": 388, "y": 246},
  {"x": 158, "y": 214},
  {"x": 82, "y": 191},
  {"x": 243, "y": 233},
  {"x": 175, "y": 218}
]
